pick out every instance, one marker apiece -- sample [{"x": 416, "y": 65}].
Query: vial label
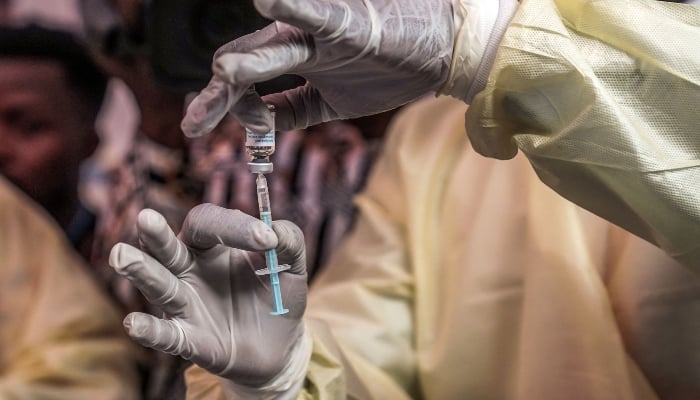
[{"x": 259, "y": 139}]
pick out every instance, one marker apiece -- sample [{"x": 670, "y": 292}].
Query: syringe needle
[{"x": 270, "y": 255}]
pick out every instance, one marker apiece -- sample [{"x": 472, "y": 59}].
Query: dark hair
[{"x": 34, "y": 41}]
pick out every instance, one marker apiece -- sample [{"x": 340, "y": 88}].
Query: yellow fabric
[
  {"x": 59, "y": 337},
  {"x": 467, "y": 278},
  {"x": 604, "y": 99}
]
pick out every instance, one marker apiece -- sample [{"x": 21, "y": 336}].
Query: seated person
[
  {"x": 59, "y": 338},
  {"x": 50, "y": 94},
  {"x": 464, "y": 277}
]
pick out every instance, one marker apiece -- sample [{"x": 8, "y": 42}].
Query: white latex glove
[
  {"x": 217, "y": 311},
  {"x": 359, "y": 57}
]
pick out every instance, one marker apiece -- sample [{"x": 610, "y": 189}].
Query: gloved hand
[
  {"x": 359, "y": 57},
  {"x": 217, "y": 311}
]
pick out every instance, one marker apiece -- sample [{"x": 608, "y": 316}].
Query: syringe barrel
[
  {"x": 270, "y": 255},
  {"x": 263, "y": 195}
]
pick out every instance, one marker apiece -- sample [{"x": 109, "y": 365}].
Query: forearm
[
  {"x": 479, "y": 29},
  {"x": 582, "y": 88}
]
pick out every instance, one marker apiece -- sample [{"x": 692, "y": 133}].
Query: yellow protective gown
[
  {"x": 604, "y": 99},
  {"x": 467, "y": 278},
  {"x": 59, "y": 337}
]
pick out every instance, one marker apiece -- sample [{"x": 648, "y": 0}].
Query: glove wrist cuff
[
  {"x": 480, "y": 26},
  {"x": 286, "y": 384}
]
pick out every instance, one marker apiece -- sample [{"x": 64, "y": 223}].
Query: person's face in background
[{"x": 45, "y": 133}]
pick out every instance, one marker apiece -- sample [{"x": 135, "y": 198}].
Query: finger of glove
[
  {"x": 252, "y": 113},
  {"x": 318, "y": 17},
  {"x": 209, "y": 107},
  {"x": 247, "y": 42},
  {"x": 160, "y": 287},
  {"x": 155, "y": 333},
  {"x": 158, "y": 240},
  {"x": 208, "y": 225},
  {"x": 300, "y": 107},
  {"x": 285, "y": 53},
  {"x": 290, "y": 246}
]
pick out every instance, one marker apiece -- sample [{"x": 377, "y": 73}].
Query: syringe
[
  {"x": 270, "y": 255},
  {"x": 260, "y": 146}
]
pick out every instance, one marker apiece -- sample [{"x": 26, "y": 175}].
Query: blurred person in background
[{"x": 50, "y": 94}]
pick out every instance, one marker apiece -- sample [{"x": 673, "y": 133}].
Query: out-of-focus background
[{"x": 93, "y": 172}]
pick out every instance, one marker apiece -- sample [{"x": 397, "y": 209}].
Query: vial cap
[{"x": 258, "y": 167}]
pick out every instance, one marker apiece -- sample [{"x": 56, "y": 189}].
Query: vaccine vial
[{"x": 260, "y": 147}]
